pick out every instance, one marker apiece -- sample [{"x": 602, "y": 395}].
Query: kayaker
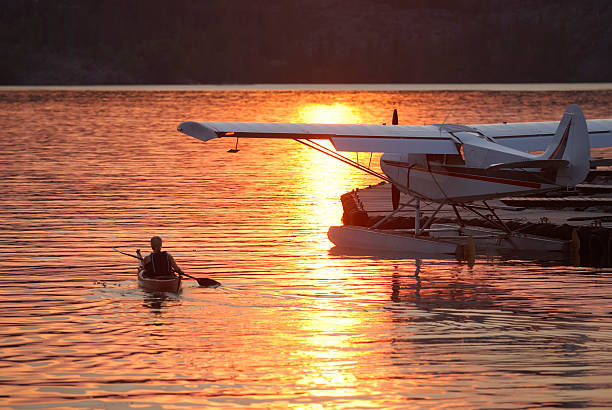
[{"x": 160, "y": 263}]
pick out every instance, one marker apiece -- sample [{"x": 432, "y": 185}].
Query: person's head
[{"x": 156, "y": 243}]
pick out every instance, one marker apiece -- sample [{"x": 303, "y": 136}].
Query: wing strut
[{"x": 335, "y": 155}]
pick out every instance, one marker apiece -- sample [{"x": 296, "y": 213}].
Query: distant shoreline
[{"x": 324, "y": 87}]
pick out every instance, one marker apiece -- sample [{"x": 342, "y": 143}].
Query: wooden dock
[
  {"x": 375, "y": 201},
  {"x": 564, "y": 202},
  {"x": 588, "y": 218}
]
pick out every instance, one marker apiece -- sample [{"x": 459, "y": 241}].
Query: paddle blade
[{"x": 208, "y": 283}]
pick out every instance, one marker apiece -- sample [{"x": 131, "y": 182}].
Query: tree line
[{"x": 304, "y": 41}]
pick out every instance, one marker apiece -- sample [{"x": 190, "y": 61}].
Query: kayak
[{"x": 165, "y": 284}]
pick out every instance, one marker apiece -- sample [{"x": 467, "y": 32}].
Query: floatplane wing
[
  {"x": 536, "y": 136},
  {"x": 449, "y": 162},
  {"x": 413, "y": 139},
  {"x": 344, "y": 137}
]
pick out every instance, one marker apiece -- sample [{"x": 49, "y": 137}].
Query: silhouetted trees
[{"x": 243, "y": 41}]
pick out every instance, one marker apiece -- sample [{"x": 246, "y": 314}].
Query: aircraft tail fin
[{"x": 570, "y": 143}]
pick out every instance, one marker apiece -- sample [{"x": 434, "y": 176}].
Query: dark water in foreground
[{"x": 295, "y": 324}]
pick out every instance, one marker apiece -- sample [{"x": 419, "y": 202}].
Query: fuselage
[
  {"x": 432, "y": 179},
  {"x": 464, "y": 176}
]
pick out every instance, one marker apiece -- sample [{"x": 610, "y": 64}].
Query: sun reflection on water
[
  {"x": 324, "y": 179},
  {"x": 334, "y": 362},
  {"x": 329, "y": 355},
  {"x": 336, "y": 113}
]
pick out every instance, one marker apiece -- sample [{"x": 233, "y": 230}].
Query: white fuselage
[{"x": 464, "y": 177}]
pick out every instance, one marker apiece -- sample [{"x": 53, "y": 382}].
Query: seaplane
[{"x": 450, "y": 165}]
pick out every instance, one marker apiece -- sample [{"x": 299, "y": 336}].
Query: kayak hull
[{"x": 172, "y": 285}]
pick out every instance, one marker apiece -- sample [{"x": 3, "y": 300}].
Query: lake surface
[{"x": 296, "y": 323}]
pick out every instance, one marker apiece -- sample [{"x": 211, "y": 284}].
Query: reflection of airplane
[
  {"x": 450, "y": 297},
  {"x": 448, "y": 163}
]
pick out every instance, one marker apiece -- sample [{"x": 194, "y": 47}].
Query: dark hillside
[{"x": 304, "y": 41}]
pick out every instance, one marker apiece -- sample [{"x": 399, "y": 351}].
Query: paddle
[
  {"x": 205, "y": 282},
  {"x": 127, "y": 254}
]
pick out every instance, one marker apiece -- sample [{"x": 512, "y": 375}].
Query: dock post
[{"x": 417, "y": 217}]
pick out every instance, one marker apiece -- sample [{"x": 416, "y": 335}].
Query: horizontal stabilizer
[{"x": 536, "y": 163}]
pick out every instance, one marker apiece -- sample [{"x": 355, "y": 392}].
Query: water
[{"x": 295, "y": 324}]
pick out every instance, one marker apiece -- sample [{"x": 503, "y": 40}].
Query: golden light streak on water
[
  {"x": 332, "y": 356},
  {"x": 336, "y": 113}
]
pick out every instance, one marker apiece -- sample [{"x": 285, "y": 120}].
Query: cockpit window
[
  {"x": 437, "y": 158},
  {"x": 454, "y": 159},
  {"x": 448, "y": 159}
]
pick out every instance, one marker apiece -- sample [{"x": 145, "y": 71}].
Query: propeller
[{"x": 395, "y": 193}]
